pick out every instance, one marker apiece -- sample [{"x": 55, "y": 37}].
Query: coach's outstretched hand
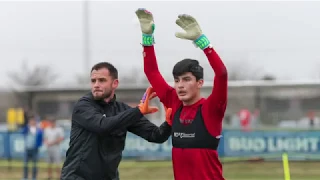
[
  {"x": 144, "y": 103},
  {"x": 192, "y": 30},
  {"x": 147, "y": 26}
]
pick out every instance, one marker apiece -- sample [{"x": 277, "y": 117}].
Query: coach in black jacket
[{"x": 99, "y": 127}]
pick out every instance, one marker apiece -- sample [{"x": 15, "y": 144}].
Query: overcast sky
[{"x": 281, "y": 38}]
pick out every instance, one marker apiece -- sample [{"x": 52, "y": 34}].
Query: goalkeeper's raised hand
[
  {"x": 192, "y": 30},
  {"x": 147, "y": 26}
]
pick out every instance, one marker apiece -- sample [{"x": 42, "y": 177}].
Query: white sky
[{"x": 281, "y": 38}]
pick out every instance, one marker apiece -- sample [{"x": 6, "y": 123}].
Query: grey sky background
[{"x": 281, "y": 38}]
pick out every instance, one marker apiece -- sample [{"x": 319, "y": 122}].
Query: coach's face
[{"x": 102, "y": 84}]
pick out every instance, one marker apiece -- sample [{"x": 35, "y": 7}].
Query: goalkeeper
[{"x": 196, "y": 121}]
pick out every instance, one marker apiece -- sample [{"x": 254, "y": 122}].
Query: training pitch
[{"x": 162, "y": 170}]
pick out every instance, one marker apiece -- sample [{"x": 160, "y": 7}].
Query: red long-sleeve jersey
[{"x": 193, "y": 163}]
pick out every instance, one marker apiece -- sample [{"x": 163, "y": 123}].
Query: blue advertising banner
[
  {"x": 239, "y": 144},
  {"x": 2, "y": 144},
  {"x": 135, "y": 147},
  {"x": 15, "y": 145},
  {"x": 232, "y": 144},
  {"x": 138, "y": 147}
]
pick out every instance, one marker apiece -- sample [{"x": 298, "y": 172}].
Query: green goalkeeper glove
[
  {"x": 192, "y": 31},
  {"x": 147, "y": 26}
]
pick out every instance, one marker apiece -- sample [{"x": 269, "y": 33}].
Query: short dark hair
[
  {"x": 31, "y": 116},
  {"x": 112, "y": 70},
  {"x": 188, "y": 65}
]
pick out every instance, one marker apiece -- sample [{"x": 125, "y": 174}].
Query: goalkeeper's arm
[{"x": 165, "y": 92}]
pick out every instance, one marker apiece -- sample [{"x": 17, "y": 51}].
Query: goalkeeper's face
[
  {"x": 102, "y": 84},
  {"x": 188, "y": 88}
]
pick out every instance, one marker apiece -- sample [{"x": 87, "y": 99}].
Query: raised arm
[
  {"x": 218, "y": 97},
  {"x": 165, "y": 92},
  {"x": 214, "y": 107}
]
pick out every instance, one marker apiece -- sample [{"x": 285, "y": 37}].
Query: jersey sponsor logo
[
  {"x": 186, "y": 121},
  {"x": 184, "y": 135}
]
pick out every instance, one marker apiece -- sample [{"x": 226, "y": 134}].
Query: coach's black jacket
[{"x": 98, "y": 137}]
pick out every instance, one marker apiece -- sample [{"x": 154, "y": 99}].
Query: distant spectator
[
  {"x": 311, "y": 117},
  {"x": 33, "y": 140},
  {"x": 25, "y": 116},
  {"x": 53, "y": 136},
  {"x": 45, "y": 123},
  {"x": 245, "y": 119},
  {"x": 255, "y": 118},
  {"x": 227, "y": 119}
]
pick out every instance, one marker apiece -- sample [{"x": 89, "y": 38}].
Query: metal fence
[{"x": 275, "y": 101}]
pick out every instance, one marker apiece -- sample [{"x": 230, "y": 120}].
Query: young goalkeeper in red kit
[{"x": 196, "y": 121}]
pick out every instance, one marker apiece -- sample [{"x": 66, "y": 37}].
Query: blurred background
[{"x": 271, "y": 50}]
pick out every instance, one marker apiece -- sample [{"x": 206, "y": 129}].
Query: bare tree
[
  {"x": 268, "y": 77},
  {"x": 131, "y": 77},
  {"x": 239, "y": 65},
  {"x": 144, "y": 80},
  {"x": 243, "y": 71},
  {"x": 135, "y": 76},
  {"x": 82, "y": 79},
  {"x": 40, "y": 75}
]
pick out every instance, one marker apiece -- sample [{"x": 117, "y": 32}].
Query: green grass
[{"x": 162, "y": 170}]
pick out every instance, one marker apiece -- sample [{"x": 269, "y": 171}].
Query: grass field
[{"x": 131, "y": 170}]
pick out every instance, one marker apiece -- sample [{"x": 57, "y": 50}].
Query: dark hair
[
  {"x": 112, "y": 70},
  {"x": 31, "y": 117},
  {"x": 188, "y": 65}
]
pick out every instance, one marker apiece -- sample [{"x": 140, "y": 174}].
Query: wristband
[
  {"x": 202, "y": 42},
  {"x": 147, "y": 39}
]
